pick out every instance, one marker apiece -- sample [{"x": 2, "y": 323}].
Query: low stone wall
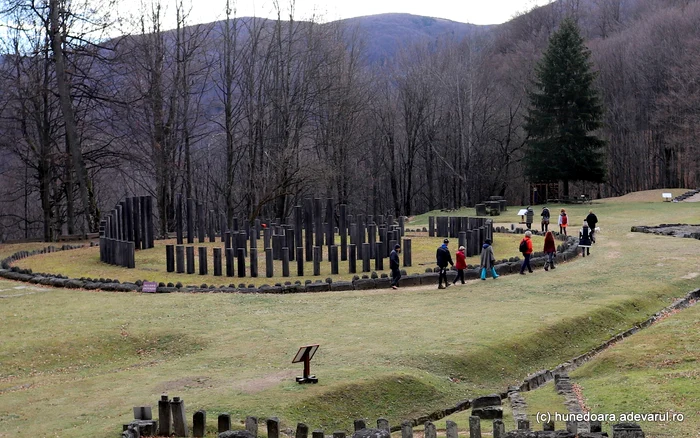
[
  {"x": 686, "y": 195},
  {"x": 689, "y": 231}
]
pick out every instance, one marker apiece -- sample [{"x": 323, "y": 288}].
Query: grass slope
[{"x": 80, "y": 360}]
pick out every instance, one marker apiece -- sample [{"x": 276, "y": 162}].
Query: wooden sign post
[{"x": 304, "y": 355}]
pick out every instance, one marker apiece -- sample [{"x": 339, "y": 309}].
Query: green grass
[{"x": 80, "y": 360}]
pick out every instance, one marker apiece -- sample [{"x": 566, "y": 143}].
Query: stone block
[
  {"x": 317, "y": 287},
  {"x": 429, "y": 278},
  {"x": 338, "y": 286},
  {"x": 364, "y": 284},
  {"x": 488, "y": 412}
]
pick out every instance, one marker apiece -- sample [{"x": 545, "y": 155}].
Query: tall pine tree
[{"x": 564, "y": 111}]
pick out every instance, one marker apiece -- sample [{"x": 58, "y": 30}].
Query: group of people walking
[{"x": 488, "y": 260}]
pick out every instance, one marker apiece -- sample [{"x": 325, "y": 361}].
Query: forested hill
[{"x": 392, "y": 114}]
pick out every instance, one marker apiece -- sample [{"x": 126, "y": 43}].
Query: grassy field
[{"x": 74, "y": 362}]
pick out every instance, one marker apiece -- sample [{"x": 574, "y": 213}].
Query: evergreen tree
[{"x": 564, "y": 111}]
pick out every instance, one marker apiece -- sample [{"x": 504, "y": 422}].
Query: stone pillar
[
  {"x": 170, "y": 258},
  {"x": 462, "y": 239},
  {"x": 300, "y": 261},
  {"x": 199, "y": 423},
  {"x": 372, "y": 239},
  {"x": 212, "y": 227},
  {"x": 251, "y": 425},
  {"x": 330, "y": 224},
  {"x": 379, "y": 257},
  {"x": 474, "y": 427},
  {"x": 227, "y": 240},
  {"x": 253, "y": 236},
  {"x": 217, "y": 262},
  {"x": 548, "y": 426},
  {"x": 269, "y": 267},
  {"x": 359, "y": 425},
  {"x": 298, "y": 225},
  {"x": 285, "y": 262},
  {"x": 190, "y": 221},
  {"x": 317, "y": 260},
  {"x": 499, "y": 429},
  {"x": 254, "y": 262},
  {"x": 230, "y": 257},
  {"x": 224, "y": 422},
  {"x": 267, "y": 238},
  {"x": 342, "y": 230},
  {"x": 149, "y": 222},
  {"x": 165, "y": 423},
  {"x": 402, "y": 225},
  {"x": 177, "y": 407},
  {"x": 352, "y": 259},
  {"x": 407, "y": 253},
  {"x": 339, "y": 434},
  {"x": 431, "y": 226},
  {"x": 365, "y": 257},
  {"x": 383, "y": 424},
  {"x": 406, "y": 430},
  {"x": 317, "y": 434},
  {"x": 308, "y": 229},
  {"x": 450, "y": 426},
  {"x": 431, "y": 432},
  {"x": 240, "y": 255},
  {"x": 334, "y": 259},
  {"x": 525, "y": 425},
  {"x": 273, "y": 427},
  {"x": 290, "y": 241},
  {"x": 202, "y": 260},
  {"x": 200, "y": 222},
  {"x": 180, "y": 259},
  {"x": 190, "y": 259},
  {"x": 302, "y": 431},
  {"x": 318, "y": 221},
  {"x": 223, "y": 225},
  {"x": 130, "y": 220}
]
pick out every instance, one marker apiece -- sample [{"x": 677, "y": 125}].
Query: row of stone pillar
[
  {"x": 181, "y": 259},
  {"x": 117, "y": 252},
  {"x": 125, "y": 229}
]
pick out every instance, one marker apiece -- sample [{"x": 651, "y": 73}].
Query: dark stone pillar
[
  {"x": 308, "y": 229},
  {"x": 199, "y": 423},
  {"x": 372, "y": 239},
  {"x": 318, "y": 221},
  {"x": 474, "y": 427},
  {"x": 406, "y": 250},
  {"x": 130, "y": 219},
  {"x": 300, "y": 261},
  {"x": 273, "y": 427},
  {"x": 240, "y": 255},
  {"x": 203, "y": 260},
  {"x": 285, "y": 262},
  {"x": 170, "y": 258},
  {"x": 136, "y": 219},
  {"x": 334, "y": 259},
  {"x": 330, "y": 224},
  {"x": 230, "y": 256},
  {"x": 269, "y": 266},
  {"x": 379, "y": 257},
  {"x": 462, "y": 239},
  {"x": 177, "y": 407},
  {"x": 365, "y": 257},
  {"x": 224, "y": 423},
  {"x": 317, "y": 260},
  {"x": 165, "y": 423},
  {"x": 180, "y": 259},
  {"x": 190, "y": 259},
  {"x": 254, "y": 262},
  {"x": 190, "y": 220},
  {"x": 224, "y": 227},
  {"x": 353, "y": 259},
  {"x": 201, "y": 223},
  {"x": 267, "y": 238},
  {"x": 343, "y": 230},
  {"x": 217, "y": 262},
  {"x": 298, "y": 226},
  {"x": 402, "y": 225}
]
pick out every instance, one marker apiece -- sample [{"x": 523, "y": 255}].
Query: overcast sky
[{"x": 465, "y": 11}]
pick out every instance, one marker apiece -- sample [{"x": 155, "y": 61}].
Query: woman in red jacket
[
  {"x": 550, "y": 250},
  {"x": 461, "y": 265}
]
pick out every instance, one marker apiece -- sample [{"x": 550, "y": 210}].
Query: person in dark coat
[
  {"x": 545, "y": 219},
  {"x": 394, "y": 266},
  {"x": 488, "y": 260},
  {"x": 443, "y": 258},
  {"x": 584, "y": 239},
  {"x": 592, "y": 220},
  {"x": 529, "y": 217}
]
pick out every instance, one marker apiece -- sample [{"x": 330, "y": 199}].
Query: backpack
[
  {"x": 564, "y": 220},
  {"x": 523, "y": 246}
]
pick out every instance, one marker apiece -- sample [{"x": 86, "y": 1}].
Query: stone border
[
  {"x": 686, "y": 195},
  {"x": 534, "y": 381},
  {"x": 567, "y": 250},
  {"x": 660, "y": 230}
]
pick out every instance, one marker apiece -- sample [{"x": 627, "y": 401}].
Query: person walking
[
  {"x": 550, "y": 250},
  {"x": 443, "y": 258},
  {"x": 394, "y": 266},
  {"x": 563, "y": 222},
  {"x": 592, "y": 220},
  {"x": 526, "y": 250},
  {"x": 488, "y": 260},
  {"x": 584, "y": 239},
  {"x": 529, "y": 217},
  {"x": 545, "y": 219},
  {"x": 460, "y": 265}
]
